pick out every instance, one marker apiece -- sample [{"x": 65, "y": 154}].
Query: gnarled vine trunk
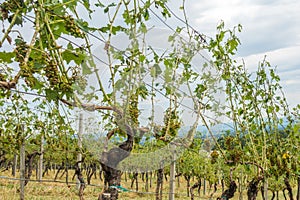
[
  {"x": 92, "y": 168},
  {"x": 79, "y": 175},
  {"x": 298, "y": 187},
  {"x": 29, "y": 165},
  {"x": 196, "y": 185},
  {"x": 288, "y": 187},
  {"x": 253, "y": 188},
  {"x": 135, "y": 180},
  {"x": 229, "y": 193},
  {"x": 109, "y": 163},
  {"x": 188, "y": 184},
  {"x": 159, "y": 184}
]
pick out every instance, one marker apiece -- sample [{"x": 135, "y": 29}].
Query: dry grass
[
  {"x": 61, "y": 191},
  {"x": 44, "y": 190}
]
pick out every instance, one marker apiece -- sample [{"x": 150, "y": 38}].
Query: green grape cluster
[
  {"x": 77, "y": 79},
  {"x": 20, "y": 50},
  {"x": 52, "y": 73},
  {"x": 10, "y": 6},
  {"x": 72, "y": 28}
]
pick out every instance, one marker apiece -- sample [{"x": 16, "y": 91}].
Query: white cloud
[
  {"x": 285, "y": 58},
  {"x": 267, "y": 24},
  {"x": 287, "y": 63},
  {"x": 270, "y": 27}
]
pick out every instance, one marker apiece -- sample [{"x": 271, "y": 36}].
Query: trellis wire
[{"x": 94, "y": 185}]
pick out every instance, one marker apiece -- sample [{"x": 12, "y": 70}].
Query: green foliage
[
  {"x": 257, "y": 107},
  {"x": 7, "y": 57}
]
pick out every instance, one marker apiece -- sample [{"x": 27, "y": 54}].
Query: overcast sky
[{"x": 270, "y": 27}]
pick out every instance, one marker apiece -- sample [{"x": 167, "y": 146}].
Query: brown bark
[
  {"x": 196, "y": 185},
  {"x": 29, "y": 165},
  {"x": 81, "y": 180},
  {"x": 159, "y": 186},
  {"x": 214, "y": 191},
  {"x": 262, "y": 191},
  {"x": 47, "y": 168},
  {"x": 222, "y": 184},
  {"x": 147, "y": 182},
  {"x": 112, "y": 177},
  {"x": 188, "y": 185},
  {"x": 288, "y": 187},
  {"x": 12, "y": 84},
  {"x": 273, "y": 195},
  {"x": 253, "y": 188},
  {"x": 135, "y": 179},
  {"x": 90, "y": 172},
  {"x": 7, "y": 85},
  {"x": 298, "y": 187},
  {"x": 150, "y": 181},
  {"x": 109, "y": 162},
  {"x": 59, "y": 169},
  {"x": 229, "y": 193}
]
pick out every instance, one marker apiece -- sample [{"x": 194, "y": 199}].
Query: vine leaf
[
  {"x": 69, "y": 55},
  {"x": 51, "y": 95},
  {"x": 86, "y": 69},
  {"x": 7, "y": 57}
]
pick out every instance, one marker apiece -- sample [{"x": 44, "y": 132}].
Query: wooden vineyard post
[
  {"x": 172, "y": 176},
  {"x": 40, "y": 167},
  {"x": 80, "y": 129},
  {"x": 265, "y": 185},
  {"x": 22, "y": 170},
  {"x": 79, "y": 155},
  {"x": 80, "y": 180},
  {"x": 15, "y": 163}
]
